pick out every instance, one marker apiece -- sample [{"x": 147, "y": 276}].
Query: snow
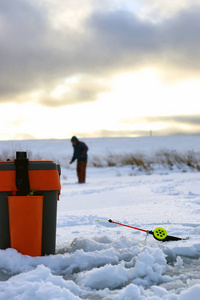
[{"x": 100, "y": 260}]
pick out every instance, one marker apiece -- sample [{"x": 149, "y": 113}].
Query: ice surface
[{"x": 100, "y": 260}]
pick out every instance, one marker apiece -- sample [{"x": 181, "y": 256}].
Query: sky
[{"x": 99, "y": 68}]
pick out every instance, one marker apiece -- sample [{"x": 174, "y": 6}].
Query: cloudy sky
[{"x": 98, "y": 68}]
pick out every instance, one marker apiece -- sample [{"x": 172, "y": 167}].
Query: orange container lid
[{"x": 43, "y": 176}]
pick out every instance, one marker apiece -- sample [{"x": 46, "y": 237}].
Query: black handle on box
[{"x": 22, "y": 179}]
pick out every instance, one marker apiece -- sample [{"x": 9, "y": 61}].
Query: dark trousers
[{"x": 81, "y": 171}]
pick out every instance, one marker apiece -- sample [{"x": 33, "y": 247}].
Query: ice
[
  {"x": 96, "y": 259},
  {"x": 193, "y": 293},
  {"x": 38, "y": 284}
]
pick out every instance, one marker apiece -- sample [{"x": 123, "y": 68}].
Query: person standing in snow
[{"x": 80, "y": 153}]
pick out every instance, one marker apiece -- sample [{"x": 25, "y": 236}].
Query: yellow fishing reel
[{"x": 160, "y": 233}]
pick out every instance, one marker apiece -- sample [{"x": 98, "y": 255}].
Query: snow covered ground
[{"x": 97, "y": 259}]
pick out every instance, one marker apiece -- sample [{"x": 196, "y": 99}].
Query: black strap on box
[{"x": 22, "y": 179}]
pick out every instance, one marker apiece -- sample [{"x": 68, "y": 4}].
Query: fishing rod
[{"x": 159, "y": 233}]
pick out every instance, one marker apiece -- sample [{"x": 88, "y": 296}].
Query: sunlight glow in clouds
[
  {"x": 150, "y": 96},
  {"x": 99, "y": 68},
  {"x": 133, "y": 97}
]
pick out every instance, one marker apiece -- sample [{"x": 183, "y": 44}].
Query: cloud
[
  {"x": 23, "y": 136},
  {"x": 17, "y": 136},
  {"x": 78, "y": 90},
  {"x": 134, "y": 41},
  {"x": 156, "y": 9},
  {"x": 169, "y": 130},
  {"x": 192, "y": 121},
  {"x": 35, "y": 55},
  {"x": 22, "y": 30}
]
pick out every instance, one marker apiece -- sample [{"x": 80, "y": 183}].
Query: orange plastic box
[{"x": 17, "y": 221}]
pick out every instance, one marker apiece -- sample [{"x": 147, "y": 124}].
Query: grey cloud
[
  {"x": 84, "y": 89},
  {"x": 190, "y": 120},
  {"x": 173, "y": 130},
  {"x": 170, "y": 130},
  {"x": 122, "y": 30},
  {"x": 23, "y": 29},
  {"x": 34, "y": 55},
  {"x": 173, "y": 41}
]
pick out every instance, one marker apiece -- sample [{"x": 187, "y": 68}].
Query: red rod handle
[{"x": 126, "y": 225}]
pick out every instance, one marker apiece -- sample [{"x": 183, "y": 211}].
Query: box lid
[{"x": 43, "y": 176}]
